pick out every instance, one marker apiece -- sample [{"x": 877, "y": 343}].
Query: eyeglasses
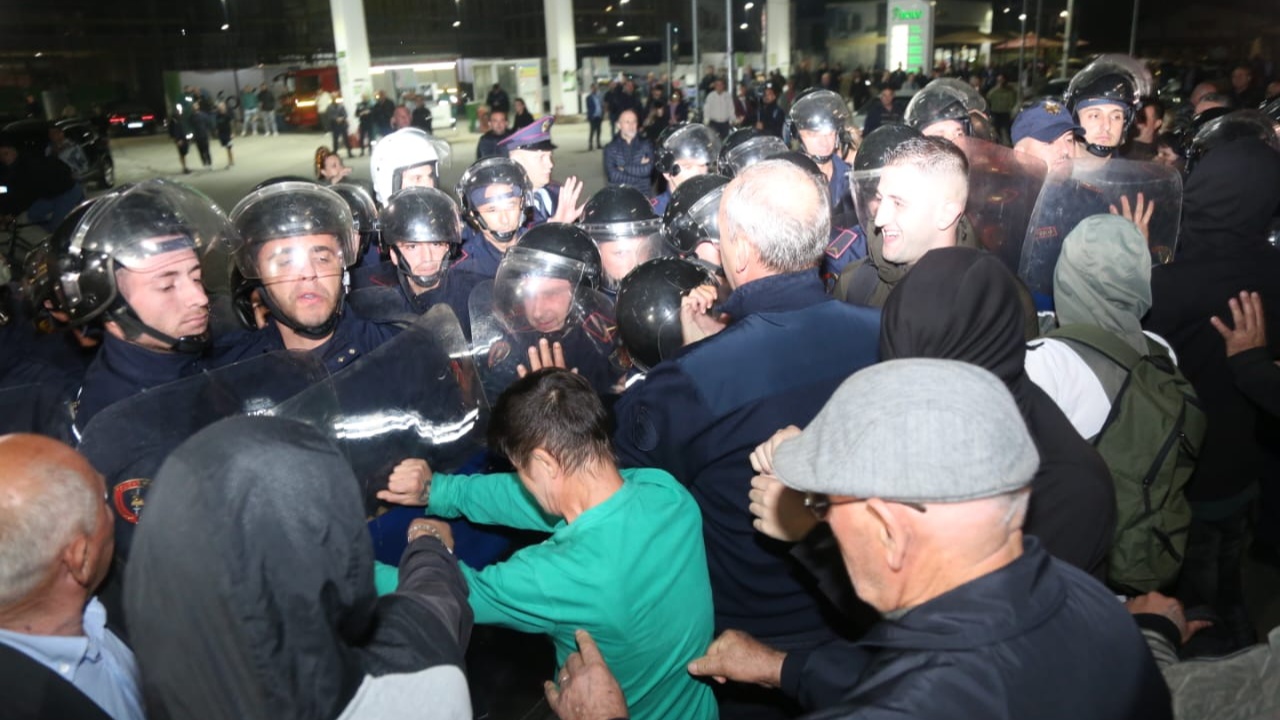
[{"x": 820, "y": 504}]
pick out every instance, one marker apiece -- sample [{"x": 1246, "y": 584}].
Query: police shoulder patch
[
  {"x": 498, "y": 352},
  {"x": 1045, "y": 233},
  {"x": 600, "y": 327},
  {"x": 643, "y": 434},
  {"x": 128, "y": 498},
  {"x": 840, "y": 245}
]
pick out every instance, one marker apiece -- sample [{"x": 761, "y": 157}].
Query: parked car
[
  {"x": 125, "y": 118},
  {"x": 33, "y": 136}
]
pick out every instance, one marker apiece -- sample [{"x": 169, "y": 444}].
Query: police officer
[
  {"x": 532, "y": 148},
  {"x": 546, "y": 289},
  {"x": 691, "y": 222},
  {"x": 423, "y": 234},
  {"x": 1104, "y": 98},
  {"x": 496, "y": 198},
  {"x": 407, "y": 157},
  {"x": 133, "y": 264},
  {"x": 820, "y": 120},
  {"x": 297, "y": 241},
  {"x": 621, "y": 223},
  {"x": 684, "y": 151},
  {"x": 1046, "y": 131}
]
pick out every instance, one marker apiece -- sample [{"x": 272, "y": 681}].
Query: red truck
[{"x": 304, "y": 87}]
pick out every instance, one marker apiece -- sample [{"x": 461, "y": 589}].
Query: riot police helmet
[
  {"x": 364, "y": 212},
  {"x": 942, "y": 100},
  {"x": 822, "y": 111},
  {"x": 283, "y": 179},
  {"x": 1110, "y": 79},
  {"x": 1232, "y": 126},
  {"x": 562, "y": 243},
  {"x": 692, "y": 216},
  {"x": 694, "y": 142},
  {"x": 494, "y": 181},
  {"x": 398, "y": 157},
  {"x": 422, "y": 215},
  {"x": 877, "y": 145},
  {"x": 648, "y": 308},
  {"x": 546, "y": 282},
  {"x": 621, "y": 222},
  {"x": 267, "y": 219},
  {"x": 134, "y": 228},
  {"x": 745, "y": 147}
]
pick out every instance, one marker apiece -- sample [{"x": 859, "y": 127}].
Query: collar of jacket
[
  {"x": 142, "y": 366},
  {"x": 985, "y": 611},
  {"x": 776, "y": 293}
]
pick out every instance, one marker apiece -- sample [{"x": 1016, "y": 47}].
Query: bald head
[
  {"x": 50, "y": 499},
  {"x": 781, "y": 211}
]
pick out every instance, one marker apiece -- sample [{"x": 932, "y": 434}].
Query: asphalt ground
[{"x": 259, "y": 157}]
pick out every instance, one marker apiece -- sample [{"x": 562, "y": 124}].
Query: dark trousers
[
  {"x": 366, "y": 136},
  {"x": 202, "y": 144},
  {"x": 340, "y": 136},
  {"x": 721, "y": 128},
  {"x": 594, "y": 134}
]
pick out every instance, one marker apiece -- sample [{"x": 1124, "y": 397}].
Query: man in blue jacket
[
  {"x": 784, "y": 349},
  {"x": 922, "y": 468}
]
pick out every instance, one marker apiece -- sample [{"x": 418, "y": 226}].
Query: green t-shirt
[{"x": 632, "y": 571}]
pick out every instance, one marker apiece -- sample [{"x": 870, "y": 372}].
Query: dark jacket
[
  {"x": 869, "y": 281},
  {"x": 629, "y": 164},
  {"x": 771, "y": 119},
  {"x": 123, "y": 369},
  {"x": 352, "y": 338},
  {"x": 1229, "y": 200},
  {"x": 386, "y": 294},
  {"x": 700, "y": 414},
  {"x": 487, "y": 146},
  {"x": 33, "y": 177},
  {"x": 34, "y": 692},
  {"x": 1034, "y": 639},
  {"x": 479, "y": 256}
]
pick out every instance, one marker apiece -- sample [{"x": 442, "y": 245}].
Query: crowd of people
[{"x": 903, "y": 423}]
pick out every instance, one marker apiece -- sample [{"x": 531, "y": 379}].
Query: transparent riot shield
[
  {"x": 415, "y": 396},
  {"x": 382, "y": 304},
  {"x": 1089, "y": 186},
  {"x": 128, "y": 441},
  {"x": 41, "y": 409},
  {"x": 1003, "y": 187},
  {"x": 504, "y": 327},
  {"x": 864, "y": 184}
]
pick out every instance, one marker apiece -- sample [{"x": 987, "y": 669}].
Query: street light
[
  {"x": 748, "y": 6},
  {"x": 743, "y": 26},
  {"x": 457, "y": 23},
  {"x": 226, "y": 26}
]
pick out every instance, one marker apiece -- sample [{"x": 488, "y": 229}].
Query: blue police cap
[
  {"x": 531, "y": 137},
  {"x": 1045, "y": 121}
]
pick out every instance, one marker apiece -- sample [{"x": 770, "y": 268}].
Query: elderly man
[
  {"x": 623, "y": 562},
  {"x": 919, "y": 205},
  {"x": 1046, "y": 131},
  {"x": 931, "y": 536},
  {"x": 57, "y": 657},
  {"x": 688, "y": 418}
]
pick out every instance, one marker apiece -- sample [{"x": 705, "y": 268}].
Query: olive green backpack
[{"x": 1150, "y": 442}]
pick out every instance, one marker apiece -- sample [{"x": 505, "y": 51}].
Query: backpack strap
[{"x": 1105, "y": 343}]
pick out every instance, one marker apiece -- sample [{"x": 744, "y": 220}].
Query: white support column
[
  {"x": 778, "y": 36},
  {"x": 562, "y": 56},
  {"x": 351, "y": 45}
]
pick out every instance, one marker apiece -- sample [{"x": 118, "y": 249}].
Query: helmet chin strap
[
  {"x": 430, "y": 282},
  {"x": 310, "y": 332},
  {"x": 822, "y": 159},
  {"x": 134, "y": 328},
  {"x": 1101, "y": 151}
]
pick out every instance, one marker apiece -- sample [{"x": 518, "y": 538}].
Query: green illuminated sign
[{"x": 900, "y": 14}]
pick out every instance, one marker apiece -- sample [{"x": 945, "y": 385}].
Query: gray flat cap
[{"x": 917, "y": 430}]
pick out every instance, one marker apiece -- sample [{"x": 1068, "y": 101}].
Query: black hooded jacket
[
  {"x": 963, "y": 304},
  {"x": 1228, "y": 204},
  {"x": 250, "y": 592}
]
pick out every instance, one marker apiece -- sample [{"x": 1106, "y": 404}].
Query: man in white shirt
[{"x": 717, "y": 109}]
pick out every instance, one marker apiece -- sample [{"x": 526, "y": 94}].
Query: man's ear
[
  {"x": 79, "y": 560},
  {"x": 544, "y": 464},
  {"x": 892, "y": 534},
  {"x": 949, "y": 214}
]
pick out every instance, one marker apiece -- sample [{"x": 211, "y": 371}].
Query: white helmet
[{"x": 403, "y": 150}]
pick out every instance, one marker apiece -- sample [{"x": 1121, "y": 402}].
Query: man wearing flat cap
[{"x": 922, "y": 469}]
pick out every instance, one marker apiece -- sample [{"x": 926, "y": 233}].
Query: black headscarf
[
  {"x": 962, "y": 304},
  {"x": 249, "y": 593}
]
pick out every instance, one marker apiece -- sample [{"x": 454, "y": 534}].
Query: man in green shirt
[{"x": 625, "y": 559}]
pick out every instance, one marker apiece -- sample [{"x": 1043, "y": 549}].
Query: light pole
[
  {"x": 1133, "y": 31},
  {"x": 728, "y": 46},
  {"x": 1066, "y": 41},
  {"x": 1022, "y": 48}
]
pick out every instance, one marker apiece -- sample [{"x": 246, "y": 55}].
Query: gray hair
[
  {"x": 933, "y": 156},
  {"x": 782, "y": 211},
  {"x": 34, "y": 530}
]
